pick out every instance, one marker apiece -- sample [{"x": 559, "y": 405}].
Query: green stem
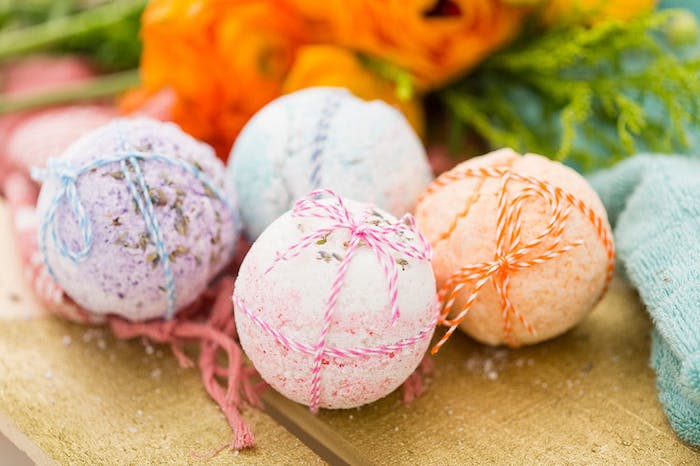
[
  {"x": 401, "y": 78},
  {"x": 40, "y": 36},
  {"x": 104, "y": 86}
]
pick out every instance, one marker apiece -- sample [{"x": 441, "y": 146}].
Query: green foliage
[
  {"x": 107, "y": 31},
  {"x": 401, "y": 78},
  {"x": 588, "y": 96},
  {"x": 116, "y": 47},
  {"x": 17, "y": 13}
]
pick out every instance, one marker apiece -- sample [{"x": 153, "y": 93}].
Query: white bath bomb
[
  {"x": 325, "y": 138},
  {"x": 280, "y": 311}
]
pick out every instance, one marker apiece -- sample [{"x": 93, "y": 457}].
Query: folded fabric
[{"x": 653, "y": 203}]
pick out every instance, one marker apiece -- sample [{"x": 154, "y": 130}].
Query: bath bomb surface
[
  {"x": 114, "y": 249},
  {"x": 282, "y": 295},
  {"x": 325, "y": 138},
  {"x": 521, "y": 243}
]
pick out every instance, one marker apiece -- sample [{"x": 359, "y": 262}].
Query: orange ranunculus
[
  {"x": 223, "y": 59},
  {"x": 435, "y": 40},
  {"x": 329, "y": 65},
  {"x": 592, "y": 11}
]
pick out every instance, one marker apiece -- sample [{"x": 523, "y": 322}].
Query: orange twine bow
[{"x": 512, "y": 253}]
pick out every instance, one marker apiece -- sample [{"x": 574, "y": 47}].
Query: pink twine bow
[{"x": 371, "y": 229}]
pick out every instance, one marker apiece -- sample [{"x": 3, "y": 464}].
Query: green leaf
[{"x": 587, "y": 96}]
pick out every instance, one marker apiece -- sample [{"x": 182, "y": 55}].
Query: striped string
[
  {"x": 129, "y": 163},
  {"x": 333, "y": 351},
  {"x": 512, "y": 252},
  {"x": 383, "y": 240},
  {"x": 331, "y": 106}
]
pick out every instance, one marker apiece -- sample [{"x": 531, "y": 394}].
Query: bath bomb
[
  {"x": 314, "y": 308},
  {"x": 325, "y": 138},
  {"x": 135, "y": 219},
  {"x": 522, "y": 247}
]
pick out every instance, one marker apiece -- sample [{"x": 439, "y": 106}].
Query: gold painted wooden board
[
  {"x": 74, "y": 395},
  {"x": 588, "y": 397}
]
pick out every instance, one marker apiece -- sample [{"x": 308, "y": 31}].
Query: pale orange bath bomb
[{"x": 522, "y": 247}]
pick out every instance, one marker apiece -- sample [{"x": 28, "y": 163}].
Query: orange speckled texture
[{"x": 460, "y": 220}]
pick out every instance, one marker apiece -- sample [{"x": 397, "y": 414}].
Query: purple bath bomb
[{"x": 122, "y": 271}]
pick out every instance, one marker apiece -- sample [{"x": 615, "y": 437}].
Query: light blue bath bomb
[{"x": 325, "y": 137}]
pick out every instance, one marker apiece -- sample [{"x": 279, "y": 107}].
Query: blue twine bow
[{"x": 68, "y": 176}]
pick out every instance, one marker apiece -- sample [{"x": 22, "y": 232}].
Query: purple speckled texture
[{"x": 122, "y": 274}]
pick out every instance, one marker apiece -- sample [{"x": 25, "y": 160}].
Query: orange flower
[
  {"x": 592, "y": 11},
  {"x": 435, "y": 40},
  {"x": 329, "y": 65},
  {"x": 223, "y": 59}
]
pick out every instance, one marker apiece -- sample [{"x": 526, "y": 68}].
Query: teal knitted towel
[{"x": 654, "y": 206}]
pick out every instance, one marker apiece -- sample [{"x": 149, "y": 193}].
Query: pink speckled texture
[
  {"x": 292, "y": 298},
  {"x": 553, "y": 296}
]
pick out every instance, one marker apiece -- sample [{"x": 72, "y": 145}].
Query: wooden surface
[{"x": 71, "y": 394}]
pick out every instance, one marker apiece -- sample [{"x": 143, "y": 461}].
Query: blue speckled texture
[
  {"x": 122, "y": 273},
  {"x": 325, "y": 137}
]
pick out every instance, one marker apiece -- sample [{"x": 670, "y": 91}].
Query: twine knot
[
  {"x": 61, "y": 170},
  {"x": 67, "y": 175},
  {"x": 504, "y": 262},
  {"x": 360, "y": 230}
]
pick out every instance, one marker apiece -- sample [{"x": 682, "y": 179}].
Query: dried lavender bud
[
  {"x": 158, "y": 197},
  {"x": 324, "y": 256},
  {"x": 179, "y": 251},
  {"x": 181, "y": 225},
  {"x": 154, "y": 259}
]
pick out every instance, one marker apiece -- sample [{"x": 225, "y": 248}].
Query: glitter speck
[
  {"x": 133, "y": 429},
  {"x": 155, "y": 373},
  {"x": 48, "y": 375},
  {"x": 67, "y": 340}
]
